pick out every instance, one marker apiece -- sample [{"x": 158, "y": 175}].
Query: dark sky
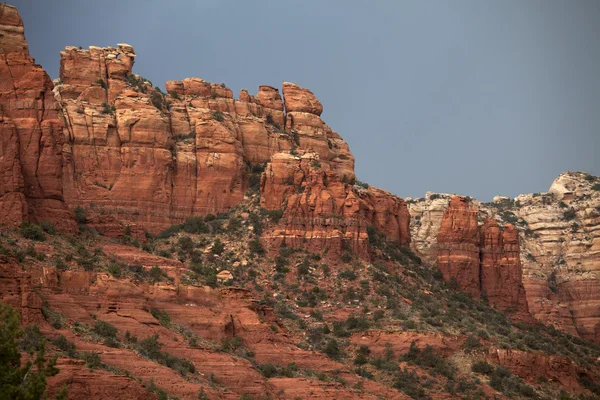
[{"x": 472, "y": 97}]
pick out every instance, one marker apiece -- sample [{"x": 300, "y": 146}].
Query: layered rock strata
[
  {"x": 482, "y": 260},
  {"x": 135, "y": 159},
  {"x": 323, "y": 211},
  {"x": 559, "y": 246},
  {"x": 127, "y": 159},
  {"x": 30, "y": 134}
]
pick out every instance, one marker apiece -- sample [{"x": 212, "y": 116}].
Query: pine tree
[{"x": 21, "y": 382}]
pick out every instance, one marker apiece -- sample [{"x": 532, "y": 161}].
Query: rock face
[
  {"x": 135, "y": 157},
  {"x": 30, "y": 134},
  {"x": 560, "y": 231},
  {"x": 559, "y": 247},
  {"x": 483, "y": 260},
  {"x": 324, "y": 211},
  {"x": 458, "y": 246},
  {"x": 501, "y": 272}
]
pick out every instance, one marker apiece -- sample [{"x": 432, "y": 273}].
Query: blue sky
[{"x": 472, "y": 97}]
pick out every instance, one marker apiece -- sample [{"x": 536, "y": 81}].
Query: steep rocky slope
[
  {"x": 202, "y": 309},
  {"x": 560, "y": 246}
]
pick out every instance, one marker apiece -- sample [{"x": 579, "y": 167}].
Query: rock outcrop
[
  {"x": 30, "y": 134},
  {"x": 138, "y": 160},
  {"x": 559, "y": 247},
  {"x": 501, "y": 272},
  {"x": 135, "y": 157},
  {"x": 482, "y": 260},
  {"x": 323, "y": 211},
  {"x": 560, "y": 232},
  {"x": 458, "y": 246}
]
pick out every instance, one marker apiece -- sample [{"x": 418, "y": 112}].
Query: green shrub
[
  {"x": 482, "y": 367},
  {"x": 105, "y": 329},
  {"x": 218, "y": 247},
  {"x": 156, "y": 274},
  {"x": 256, "y": 247},
  {"x": 80, "y": 215},
  {"x": 32, "y": 340},
  {"x": 362, "y": 355},
  {"x": 162, "y": 316},
  {"x": 268, "y": 370},
  {"x": 218, "y": 116},
  {"x": 114, "y": 268},
  {"x": 408, "y": 383},
  {"x": 332, "y": 349},
  {"x": 234, "y": 224},
  {"x": 32, "y": 231},
  {"x": 346, "y": 257},
  {"x": 569, "y": 214},
  {"x": 348, "y": 274},
  {"x": 360, "y": 323},
  {"x": 48, "y": 227},
  {"x": 428, "y": 358},
  {"x": 195, "y": 225},
  {"x": 92, "y": 359},
  {"x": 363, "y": 185},
  {"x": 108, "y": 109},
  {"x": 186, "y": 244},
  {"x": 274, "y": 215},
  {"x": 231, "y": 344},
  {"x": 65, "y": 345},
  {"x": 596, "y": 187},
  {"x": 150, "y": 347},
  {"x": 157, "y": 100},
  {"x": 170, "y": 231}
]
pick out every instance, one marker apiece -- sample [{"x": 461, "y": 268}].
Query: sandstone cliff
[
  {"x": 558, "y": 235},
  {"x": 136, "y": 157},
  {"x": 483, "y": 261},
  {"x": 30, "y": 134}
]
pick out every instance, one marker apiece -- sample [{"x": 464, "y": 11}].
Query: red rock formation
[
  {"x": 483, "y": 260},
  {"x": 458, "y": 246},
  {"x": 531, "y": 365},
  {"x": 30, "y": 134},
  {"x": 136, "y": 158},
  {"x": 322, "y": 212},
  {"x": 149, "y": 167},
  {"x": 270, "y": 99},
  {"x": 501, "y": 272}
]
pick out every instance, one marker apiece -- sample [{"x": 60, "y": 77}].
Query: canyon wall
[
  {"x": 483, "y": 261},
  {"x": 128, "y": 157},
  {"x": 559, "y": 252},
  {"x": 30, "y": 134}
]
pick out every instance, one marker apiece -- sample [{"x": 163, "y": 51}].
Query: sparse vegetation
[
  {"x": 108, "y": 109},
  {"x": 32, "y": 231},
  {"x": 218, "y": 116},
  {"x": 569, "y": 215}
]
